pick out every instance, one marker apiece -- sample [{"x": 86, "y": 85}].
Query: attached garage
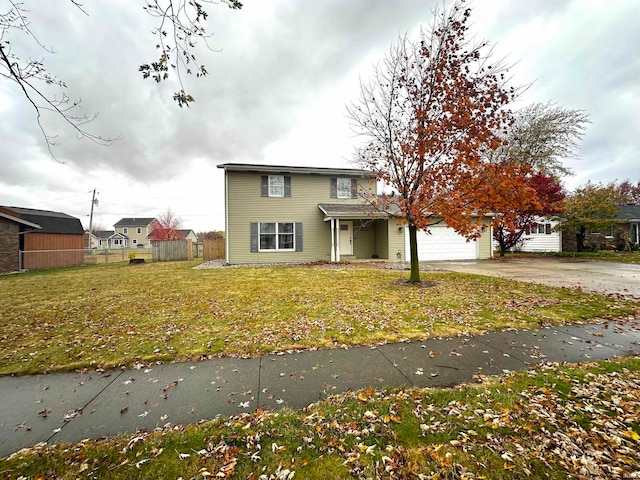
[{"x": 443, "y": 243}]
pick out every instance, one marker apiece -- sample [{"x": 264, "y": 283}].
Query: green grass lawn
[
  {"x": 112, "y": 315},
  {"x": 551, "y": 422},
  {"x": 602, "y": 256}
]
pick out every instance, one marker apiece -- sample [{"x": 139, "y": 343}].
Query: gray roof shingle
[
  {"x": 51, "y": 222},
  {"x": 134, "y": 222},
  {"x": 629, "y": 212}
]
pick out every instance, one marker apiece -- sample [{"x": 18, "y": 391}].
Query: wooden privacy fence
[
  {"x": 213, "y": 249},
  {"x": 37, "y": 259},
  {"x": 171, "y": 250}
]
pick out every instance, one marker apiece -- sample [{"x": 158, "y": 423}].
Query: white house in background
[
  {"x": 107, "y": 239},
  {"x": 541, "y": 238}
]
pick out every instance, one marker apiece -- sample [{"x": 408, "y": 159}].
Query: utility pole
[{"x": 94, "y": 201}]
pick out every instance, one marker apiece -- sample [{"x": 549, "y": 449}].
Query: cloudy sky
[{"x": 278, "y": 84}]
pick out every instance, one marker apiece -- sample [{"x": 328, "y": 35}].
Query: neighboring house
[
  {"x": 299, "y": 214},
  {"x": 629, "y": 217},
  {"x": 108, "y": 239},
  {"x": 10, "y": 229},
  {"x": 186, "y": 234},
  {"x": 630, "y": 214},
  {"x": 542, "y": 237},
  {"x": 134, "y": 232},
  {"x": 59, "y": 242}
]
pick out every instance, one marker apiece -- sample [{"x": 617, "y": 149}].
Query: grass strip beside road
[
  {"x": 106, "y": 316},
  {"x": 553, "y": 422}
]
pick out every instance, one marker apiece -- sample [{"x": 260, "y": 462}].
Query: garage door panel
[{"x": 444, "y": 243}]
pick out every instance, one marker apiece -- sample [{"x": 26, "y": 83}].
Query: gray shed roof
[
  {"x": 20, "y": 221},
  {"x": 50, "y": 222}
]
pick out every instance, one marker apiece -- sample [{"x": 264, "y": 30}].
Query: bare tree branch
[{"x": 182, "y": 21}]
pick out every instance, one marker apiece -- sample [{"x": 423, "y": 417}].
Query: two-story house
[
  {"x": 301, "y": 214},
  {"x": 135, "y": 232}
]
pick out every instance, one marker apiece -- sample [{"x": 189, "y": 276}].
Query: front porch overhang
[
  {"x": 335, "y": 213},
  {"x": 350, "y": 211}
]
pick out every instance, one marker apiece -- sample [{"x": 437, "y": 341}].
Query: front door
[{"x": 346, "y": 238}]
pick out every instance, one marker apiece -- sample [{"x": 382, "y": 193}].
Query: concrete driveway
[{"x": 603, "y": 277}]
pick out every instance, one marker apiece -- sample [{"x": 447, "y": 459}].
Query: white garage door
[{"x": 443, "y": 244}]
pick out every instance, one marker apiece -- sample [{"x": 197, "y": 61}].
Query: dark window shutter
[
  {"x": 254, "y": 237},
  {"x": 334, "y": 188},
  {"x": 298, "y": 237},
  {"x": 264, "y": 192},
  {"x": 354, "y": 188},
  {"x": 287, "y": 186}
]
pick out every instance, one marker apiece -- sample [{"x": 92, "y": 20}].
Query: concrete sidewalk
[{"x": 72, "y": 406}]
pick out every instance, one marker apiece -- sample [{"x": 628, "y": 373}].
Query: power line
[{"x": 41, "y": 202}]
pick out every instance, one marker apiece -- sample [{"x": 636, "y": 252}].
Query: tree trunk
[
  {"x": 414, "y": 277},
  {"x": 580, "y": 239},
  {"x": 501, "y": 241}
]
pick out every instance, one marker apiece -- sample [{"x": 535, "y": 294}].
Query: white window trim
[
  {"x": 125, "y": 230},
  {"x": 138, "y": 230},
  {"x": 271, "y": 193},
  {"x": 277, "y": 234}
]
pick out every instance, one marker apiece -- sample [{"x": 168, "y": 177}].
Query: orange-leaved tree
[
  {"x": 541, "y": 138},
  {"x": 166, "y": 227},
  {"x": 432, "y": 110}
]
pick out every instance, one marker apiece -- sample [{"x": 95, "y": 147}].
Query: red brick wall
[{"x": 9, "y": 246}]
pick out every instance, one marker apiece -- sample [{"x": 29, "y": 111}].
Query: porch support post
[
  {"x": 338, "y": 240},
  {"x": 333, "y": 242},
  {"x": 490, "y": 241}
]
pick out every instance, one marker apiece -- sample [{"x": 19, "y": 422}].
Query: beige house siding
[
  {"x": 364, "y": 240},
  {"x": 485, "y": 241},
  {"x": 132, "y": 234},
  {"x": 246, "y": 205},
  {"x": 396, "y": 243},
  {"x": 382, "y": 242}
]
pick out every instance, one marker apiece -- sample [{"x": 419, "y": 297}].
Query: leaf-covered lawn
[
  {"x": 553, "y": 422},
  {"x": 105, "y": 316}
]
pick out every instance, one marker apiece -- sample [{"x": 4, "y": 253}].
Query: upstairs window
[
  {"x": 125, "y": 230},
  {"x": 342, "y": 187},
  {"x": 139, "y": 230},
  {"x": 275, "y": 186}
]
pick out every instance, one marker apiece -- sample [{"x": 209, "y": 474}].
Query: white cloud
[{"x": 279, "y": 81}]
